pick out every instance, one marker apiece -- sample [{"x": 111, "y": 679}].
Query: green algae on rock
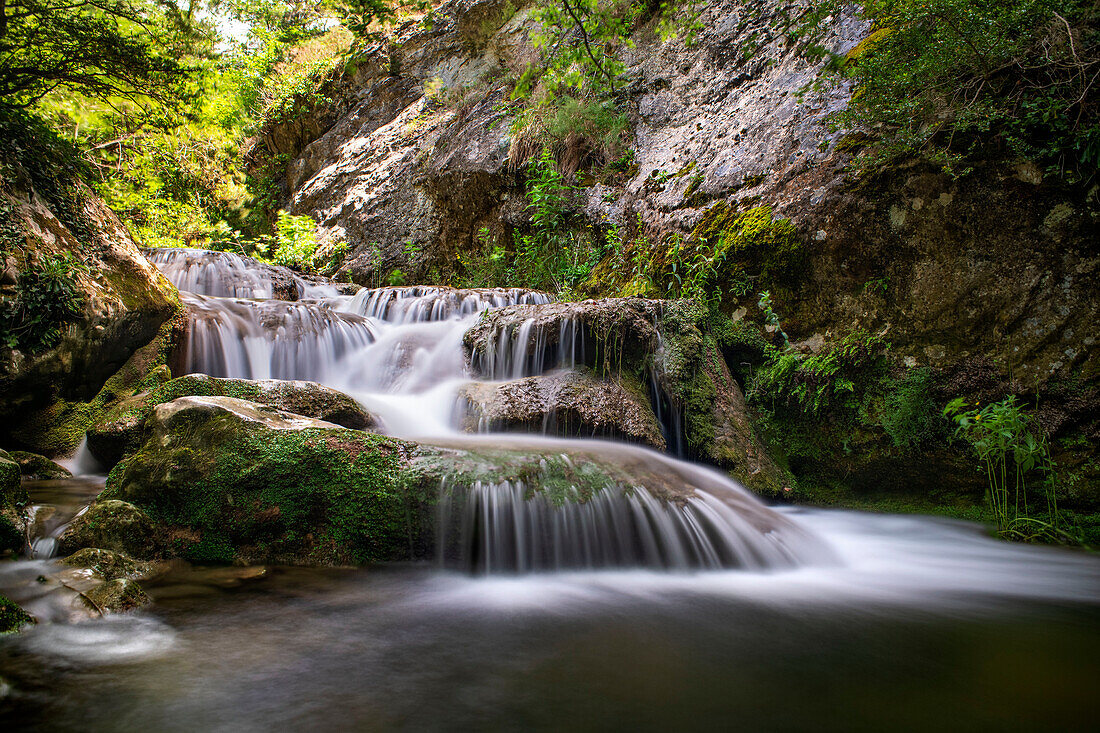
[{"x": 39, "y": 467}]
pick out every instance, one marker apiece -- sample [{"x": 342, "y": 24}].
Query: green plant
[
  {"x": 955, "y": 80},
  {"x": 823, "y": 383},
  {"x": 296, "y": 241},
  {"x": 47, "y": 297},
  {"x": 909, "y": 413},
  {"x": 771, "y": 318},
  {"x": 396, "y": 278},
  {"x": 1001, "y": 435}
]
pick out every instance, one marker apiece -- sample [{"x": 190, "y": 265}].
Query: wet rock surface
[
  {"x": 564, "y": 403},
  {"x": 34, "y": 466},
  {"x": 123, "y": 431},
  {"x": 110, "y": 524}
]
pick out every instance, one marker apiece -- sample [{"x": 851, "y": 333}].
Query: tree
[{"x": 108, "y": 49}]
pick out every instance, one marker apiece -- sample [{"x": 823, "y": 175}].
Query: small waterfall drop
[{"x": 503, "y": 528}]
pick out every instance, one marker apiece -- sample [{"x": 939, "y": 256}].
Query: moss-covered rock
[
  {"x": 117, "y": 596},
  {"x": 38, "y": 467},
  {"x": 564, "y": 403},
  {"x": 12, "y": 616},
  {"x": 12, "y": 499},
  {"x": 122, "y": 431},
  {"x": 109, "y": 524},
  {"x": 108, "y": 564},
  {"x": 228, "y": 480}
]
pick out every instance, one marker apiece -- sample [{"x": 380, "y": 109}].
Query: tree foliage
[
  {"x": 955, "y": 80},
  {"x": 107, "y": 49}
]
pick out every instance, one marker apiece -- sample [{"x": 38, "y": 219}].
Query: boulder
[
  {"x": 117, "y": 596},
  {"x": 564, "y": 403},
  {"x": 12, "y": 616},
  {"x": 109, "y": 524},
  {"x": 123, "y": 430},
  {"x": 38, "y": 467},
  {"x": 108, "y": 564}
]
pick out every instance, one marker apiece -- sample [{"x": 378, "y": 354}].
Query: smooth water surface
[{"x": 925, "y": 624}]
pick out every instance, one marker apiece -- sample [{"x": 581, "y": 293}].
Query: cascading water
[{"x": 398, "y": 350}]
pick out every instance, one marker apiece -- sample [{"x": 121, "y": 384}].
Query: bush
[
  {"x": 47, "y": 297},
  {"x": 296, "y": 241}
]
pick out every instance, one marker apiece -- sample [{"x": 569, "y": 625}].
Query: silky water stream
[{"x": 721, "y": 613}]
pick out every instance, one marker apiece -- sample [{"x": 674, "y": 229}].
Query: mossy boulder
[
  {"x": 117, "y": 596},
  {"x": 108, "y": 564},
  {"x": 122, "y": 431},
  {"x": 12, "y": 616},
  {"x": 39, "y": 467},
  {"x": 564, "y": 403},
  {"x": 110, "y": 524},
  {"x": 227, "y": 480}
]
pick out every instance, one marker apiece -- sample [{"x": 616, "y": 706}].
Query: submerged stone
[
  {"x": 108, "y": 564},
  {"x": 12, "y": 616}
]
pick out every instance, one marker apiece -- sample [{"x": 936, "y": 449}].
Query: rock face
[
  {"x": 123, "y": 430},
  {"x": 564, "y": 403},
  {"x": 126, "y": 303},
  {"x": 997, "y": 264}
]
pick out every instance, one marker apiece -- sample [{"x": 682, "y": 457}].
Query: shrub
[{"x": 47, "y": 297}]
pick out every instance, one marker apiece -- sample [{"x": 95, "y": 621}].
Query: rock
[
  {"x": 39, "y": 467},
  {"x": 48, "y": 399},
  {"x": 109, "y": 565},
  {"x": 564, "y": 403},
  {"x": 123, "y": 430},
  {"x": 12, "y": 499},
  {"x": 232, "y": 481},
  {"x": 109, "y": 524},
  {"x": 665, "y": 341},
  {"x": 12, "y": 616},
  {"x": 118, "y": 596}
]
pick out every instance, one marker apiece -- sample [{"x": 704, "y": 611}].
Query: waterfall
[
  {"x": 399, "y": 351},
  {"x": 269, "y": 339},
  {"x": 503, "y": 529}
]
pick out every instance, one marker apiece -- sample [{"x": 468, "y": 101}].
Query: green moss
[
  {"x": 12, "y": 617},
  {"x": 326, "y": 496},
  {"x": 753, "y": 241}
]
